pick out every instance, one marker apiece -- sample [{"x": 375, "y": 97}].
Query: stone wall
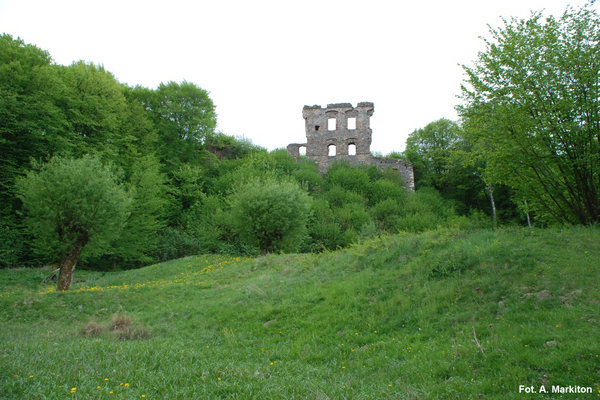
[{"x": 343, "y": 132}]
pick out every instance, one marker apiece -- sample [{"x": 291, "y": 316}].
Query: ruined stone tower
[{"x": 343, "y": 132}]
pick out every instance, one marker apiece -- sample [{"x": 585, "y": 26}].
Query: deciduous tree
[
  {"x": 70, "y": 203},
  {"x": 532, "y": 106}
]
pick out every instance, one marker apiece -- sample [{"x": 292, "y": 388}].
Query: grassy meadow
[{"x": 446, "y": 314}]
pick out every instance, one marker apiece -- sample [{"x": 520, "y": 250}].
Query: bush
[
  {"x": 352, "y": 216},
  {"x": 354, "y": 179},
  {"x": 91, "y": 329},
  {"x": 386, "y": 213},
  {"x": 338, "y": 197},
  {"x": 270, "y": 215},
  {"x": 384, "y": 189}
]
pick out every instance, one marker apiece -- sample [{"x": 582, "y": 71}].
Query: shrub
[
  {"x": 270, "y": 214},
  {"x": 386, "y": 213},
  {"x": 352, "y": 216},
  {"x": 124, "y": 329},
  {"x": 338, "y": 197},
  {"x": 354, "y": 179},
  {"x": 120, "y": 322},
  {"x": 92, "y": 328},
  {"x": 133, "y": 333},
  {"x": 384, "y": 189}
]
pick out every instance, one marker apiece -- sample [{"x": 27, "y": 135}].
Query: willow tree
[
  {"x": 70, "y": 204},
  {"x": 531, "y": 108}
]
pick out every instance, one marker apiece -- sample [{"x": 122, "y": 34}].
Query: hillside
[{"x": 390, "y": 318}]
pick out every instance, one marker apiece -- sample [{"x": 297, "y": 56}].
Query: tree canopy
[{"x": 531, "y": 108}]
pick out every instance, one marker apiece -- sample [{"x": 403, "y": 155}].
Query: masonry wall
[{"x": 343, "y": 132}]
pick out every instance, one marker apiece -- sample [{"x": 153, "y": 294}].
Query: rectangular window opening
[
  {"x": 352, "y": 123},
  {"x": 331, "y": 124}
]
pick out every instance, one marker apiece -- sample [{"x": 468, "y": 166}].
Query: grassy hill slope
[{"x": 391, "y": 318}]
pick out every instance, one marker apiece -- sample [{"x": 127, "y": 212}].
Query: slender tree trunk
[
  {"x": 67, "y": 266},
  {"x": 491, "y": 192},
  {"x": 527, "y": 214}
]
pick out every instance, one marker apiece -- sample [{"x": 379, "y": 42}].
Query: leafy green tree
[
  {"x": 184, "y": 116},
  {"x": 271, "y": 214},
  {"x": 70, "y": 203},
  {"x": 429, "y": 150},
  {"x": 95, "y": 108},
  {"x": 137, "y": 242},
  {"x": 30, "y": 120},
  {"x": 532, "y": 108}
]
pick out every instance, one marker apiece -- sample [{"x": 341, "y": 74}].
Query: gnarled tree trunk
[{"x": 67, "y": 265}]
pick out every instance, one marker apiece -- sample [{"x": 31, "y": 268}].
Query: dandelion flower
[
  {"x": 127, "y": 384},
  {"x": 106, "y": 379}
]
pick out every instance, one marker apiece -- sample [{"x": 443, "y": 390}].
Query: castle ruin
[{"x": 343, "y": 132}]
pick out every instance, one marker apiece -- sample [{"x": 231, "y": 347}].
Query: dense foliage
[{"x": 532, "y": 103}]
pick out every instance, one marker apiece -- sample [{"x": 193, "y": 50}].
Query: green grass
[{"x": 389, "y": 318}]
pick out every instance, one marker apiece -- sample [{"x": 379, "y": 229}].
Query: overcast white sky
[{"x": 262, "y": 61}]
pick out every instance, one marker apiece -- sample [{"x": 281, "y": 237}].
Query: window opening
[
  {"x": 331, "y": 124},
  {"x": 317, "y": 127},
  {"x": 331, "y": 149},
  {"x": 302, "y": 151},
  {"x": 351, "y": 149},
  {"x": 352, "y": 123}
]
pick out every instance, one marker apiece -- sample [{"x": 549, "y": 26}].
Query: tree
[
  {"x": 442, "y": 159},
  {"x": 30, "y": 121},
  {"x": 270, "y": 214},
  {"x": 532, "y": 108},
  {"x": 184, "y": 116},
  {"x": 428, "y": 149},
  {"x": 70, "y": 203},
  {"x": 95, "y": 107}
]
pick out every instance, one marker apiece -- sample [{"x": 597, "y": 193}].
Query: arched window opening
[
  {"x": 302, "y": 151},
  {"x": 332, "y": 150},
  {"x": 351, "y": 149}
]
